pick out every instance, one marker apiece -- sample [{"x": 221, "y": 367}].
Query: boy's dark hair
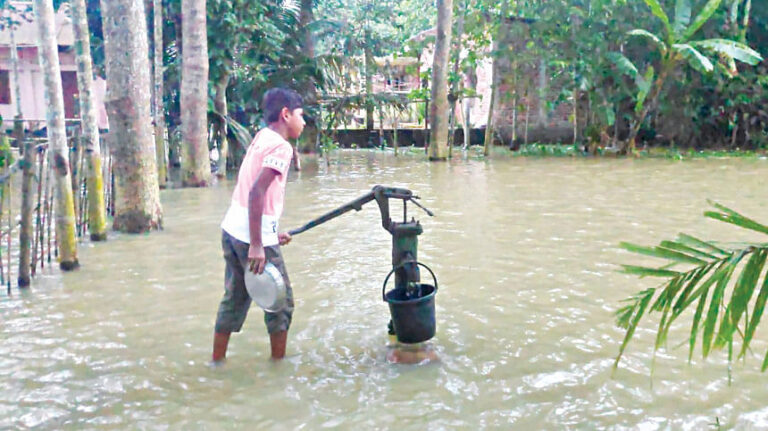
[{"x": 278, "y": 98}]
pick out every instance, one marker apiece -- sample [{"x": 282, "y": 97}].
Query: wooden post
[{"x": 25, "y": 231}]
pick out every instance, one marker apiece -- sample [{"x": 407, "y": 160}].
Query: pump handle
[{"x": 381, "y": 194}]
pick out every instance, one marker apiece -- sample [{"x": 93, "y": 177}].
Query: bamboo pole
[
  {"x": 10, "y": 224},
  {"x": 25, "y": 230},
  {"x": 46, "y": 215},
  {"x": 2, "y": 201},
  {"x": 38, "y": 214}
]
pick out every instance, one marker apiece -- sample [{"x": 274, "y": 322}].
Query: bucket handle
[{"x": 384, "y": 287}]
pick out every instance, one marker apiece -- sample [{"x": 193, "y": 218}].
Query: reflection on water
[{"x": 525, "y": 252}]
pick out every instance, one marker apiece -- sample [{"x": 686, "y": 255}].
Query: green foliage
[
  {"x": 6, "y": 152},
  {"x": 548, "y": 150},
  {"x": 722, "y": 283}
]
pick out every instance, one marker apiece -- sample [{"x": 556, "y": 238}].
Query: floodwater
[{"x": 525, "y": 251}]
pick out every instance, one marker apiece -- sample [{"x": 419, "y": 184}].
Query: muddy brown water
[{"x": 526, "y": 254}]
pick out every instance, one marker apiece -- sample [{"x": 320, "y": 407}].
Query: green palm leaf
[
  {"x": 658, "y": 11},
  {"x": 650, "y": 36},
  {"x": 740, "y": 298},
  {"x": 662, "y": 253},
  {"x": 757, "y": 313},
  {"x": 694, "y": 57},
  {"x": 622, "y": 63},
  {"x": 695, "y": 242},
  {"x": 706, "y": 13},
  {"x": 682, "y": 16},
  {"x": 722, "y": 301},
  {"x": 730, "y": 48},
  {"x": 730, "y": 216}
]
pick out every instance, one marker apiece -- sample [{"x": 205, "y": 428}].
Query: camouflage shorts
[{"x": 235, "y": 304}]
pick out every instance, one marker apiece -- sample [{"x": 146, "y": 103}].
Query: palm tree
[
  {"x": 438, "y": 149},
  {"x": 137, "y": 193},
  {"x": 97, "y": 212},
  {"x": 677, "y": 45},
  {"x": 58, "y": 152},
  {"x": 726, "y": 307},
  {"x": 196, "y": 169}
]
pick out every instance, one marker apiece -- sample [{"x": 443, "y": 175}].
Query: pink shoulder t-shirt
[{"x": 268, "y": 150}]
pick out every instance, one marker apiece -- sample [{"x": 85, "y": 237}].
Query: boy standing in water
[{"x": 250, "y": 235}]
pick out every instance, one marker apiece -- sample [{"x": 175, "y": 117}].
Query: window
[{"x": 5, "y": 88}]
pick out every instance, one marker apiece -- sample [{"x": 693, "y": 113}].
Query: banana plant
[
  {"x": 677, "y": 44},
  {"x": 726, "y": 307}
]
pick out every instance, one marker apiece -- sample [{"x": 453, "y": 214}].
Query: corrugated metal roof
[{"x": 26, "y": 32}]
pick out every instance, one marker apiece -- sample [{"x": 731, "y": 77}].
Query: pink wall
[{"x": 33, "y": 104}]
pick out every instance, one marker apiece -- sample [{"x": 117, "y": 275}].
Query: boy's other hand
[
  {"x": 284, "y": 238},
  {"x": 256, "y": 259}
]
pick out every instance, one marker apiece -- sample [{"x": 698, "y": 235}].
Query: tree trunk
[
  {"x": 307, "y": 87},
  {"x": 455, "y": 85},
  {"x": 18, "y": 125},
  {"x": 542, "y": 93},
  {"x": 137, "y": 194},
  {"x": 25, "y": 228},
  {"x": 745, "y": 21},
  {"x": 174, "y": 143},
  {"x": 438, "y": 150},
  {"x": 394, "y": 130},
  {"x": 97, "y": 212},
  {"x": 628, "y": 147},
  {"x": 220, "y": 105},
  {"x": 575, "y": 116},
  {"x": 161, "y": 149},
  {"x": 195, "y": 166},
  {"x": 488, "y": 141},
  {"x": 368, "y": 81},
  {"x": 495, "y": 78},
  {"x": 472, "y": 79},
  {"x": 58, "y": 152}
]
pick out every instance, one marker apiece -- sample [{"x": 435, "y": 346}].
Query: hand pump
[{"x": 408, "y": 292}]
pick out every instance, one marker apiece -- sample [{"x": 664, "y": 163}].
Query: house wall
[{"x": 33, "y": 106}]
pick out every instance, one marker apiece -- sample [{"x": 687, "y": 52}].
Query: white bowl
[{"x": 267, "y": 289}]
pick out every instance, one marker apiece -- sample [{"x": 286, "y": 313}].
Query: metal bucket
[{"x": 413, "y": 318}]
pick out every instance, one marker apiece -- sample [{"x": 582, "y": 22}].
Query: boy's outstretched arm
[{"x": 256, "y": 257}]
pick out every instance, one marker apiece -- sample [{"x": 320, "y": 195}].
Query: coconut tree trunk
[
  {"x": 438, "y": 150},
  {"x": 161, "y": 148},
  {"x": 57, "y": 140},
  {"x": 97, "y": 212},
  {"x": 195, "y": 166},
  {"x": 137, "y": 194},
  {"x": 220, "y": 104}
]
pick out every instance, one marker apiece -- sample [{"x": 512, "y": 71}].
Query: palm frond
[{"x": 721, "y": 282}]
